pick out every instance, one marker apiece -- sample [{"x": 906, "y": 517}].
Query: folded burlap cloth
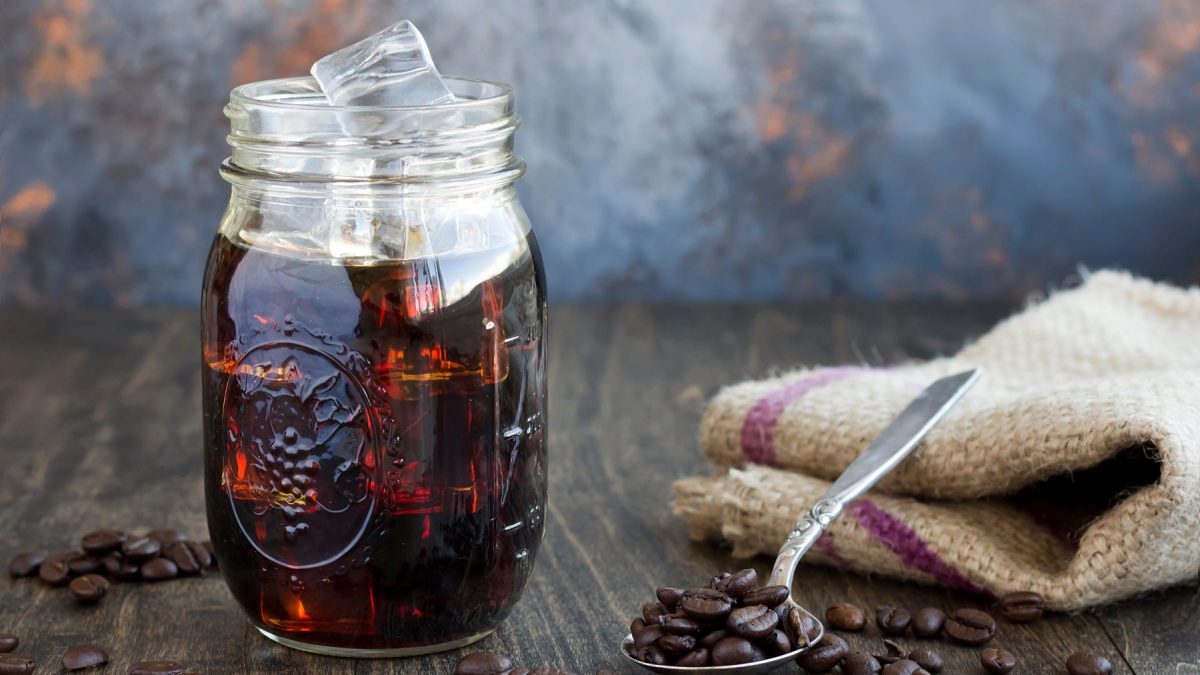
[{"x": 1071, "y": 469}]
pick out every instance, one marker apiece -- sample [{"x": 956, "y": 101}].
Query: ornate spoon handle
[{"x": 893, "y": 445}]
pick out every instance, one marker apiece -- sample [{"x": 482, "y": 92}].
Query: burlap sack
[{"x": 1071, "y": 469}]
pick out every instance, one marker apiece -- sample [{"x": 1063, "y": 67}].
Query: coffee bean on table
[
  {"x": 159, "y": 569},
  {"x": 1085, "y": 663},
  {"x": 997, "y": 660},
  {"x": 741, "y": 583},
  {"x": 11, "y": 664},
  {"x": 102, "y": 541},
  {"x": 1021, "y": 606},
  {"x": 140, "y": 549},
  {"x": 483, "y": 663},
  {"x": 895, "y": 652},
  {"x": 859, "y": 663},
  {"x": 85, "y": 564},
  {"x": 705, "y": 604},
  {"x": 752, "y": 622},
  {"x": 25, "y": 564},
  {"x": 89, "y": 588},
  {"x": 182, "y": 556},
  {"x": 201, "y": 554},
  {"x": 927, "y": 658},
  {"x": 928, "y": 622},
  {"x": 970, "y": 626},
  {"x": 8, "y": 642},
  {"x": 165, "y": 537},
  {"x": 825, "y": 655},
  {"x": 156, "y": 668},
  {"x": 846, "y": 616},
  {"x": 904, "y": 667},
  {"x": 56, "y": 570},
  {"x": 892, "y": 620},
  {"x": 731, "y": 651},
  {"x": 678, "y": 625},
  {"x": 669, "y": 596},
  {"x": 771, "y": 596},
  {"x": 212, "y": 555},
  {"x": 696, "y": 659},
  {"x": 84, "y": 656}
]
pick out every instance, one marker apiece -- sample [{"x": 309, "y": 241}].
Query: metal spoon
[{"x": 893, "y": 445}]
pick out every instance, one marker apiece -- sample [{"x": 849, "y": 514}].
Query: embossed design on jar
[{"x": 300, "y": 447}]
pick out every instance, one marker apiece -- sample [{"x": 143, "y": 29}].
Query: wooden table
[{"x": 100, "y": 426}]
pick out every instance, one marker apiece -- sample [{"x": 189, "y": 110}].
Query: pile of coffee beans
[
  {"x": 492, "y": 663},
  {"x": 78, "y": 657},
  {"x": 730, "y": 621},
  {"x": 113, "y": 555}
]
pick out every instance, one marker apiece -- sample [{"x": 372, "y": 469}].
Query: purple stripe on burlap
[
  {"x": 908, "y": 546},
  {"x": 826, "y": 546},
  {"x": 758, "y": 430}
]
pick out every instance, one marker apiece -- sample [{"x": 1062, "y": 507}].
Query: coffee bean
[
  {"x": 483, "y": 663},
  {"x": 56, "y": 570},
  {"x": 676, "y": 645},
  {"x": 771, "y": 596},
  {"x": 845, "y": 616},
  {"x": 140, "y": 549},
  {"x": 156, "y": 668},
  {"x": 86, "y": 564},
  {"x": 84, "y": 656},
  {"x": 11, "y": 664},
  {"x": 895, "y": 652},
  {"x": 706, "y": 604},
  {"x": 165, "y": 537},
  {"x": 825, "y": 655},
  {"x": 669, "y": 596},
  {"x": 904, "y": 667},
  {"x": 927, "y": 659},
  {"x": 102, "y": 541},
  {"x": 8, "y": 642},
  {"x": 731, "y": 651},
  {"x": 25, "y": 564},
  {"x": 212, "y": 554},
  {"x": 182, "y": 556},
  {"x": 752, "y": 622},
  {"x": 859, "y": 663},
  {"x": 892, "y": 620},
  {"x": 718, "y": 582},
  {"x": 201, "y": 554},
  {"x": 714, "y": 637},
  {"x": 696, "y": 659},
  {"x": 996, "y": 660},
  {"x": 89, "y": 588},
  {"x": 652, "y": 610},
  {"x": 1085, "y": 663},
  {"x": 678, "y": 625},
  {"x": 1022, "y": 606},
  {"x": 801, "y": 626},
  {"x": 970, "y": 626},
  {"x": 637, "y": 625},
  {"x": 777, "y": 643},
  {"x": 741, "y": 583},
  {"x": 647, "y": 636},
  {"x": 159, "y": 569},
  {"x": 928, "y": 622}
]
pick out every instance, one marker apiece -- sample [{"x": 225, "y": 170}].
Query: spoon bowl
[{"x": 895, "y": 443}]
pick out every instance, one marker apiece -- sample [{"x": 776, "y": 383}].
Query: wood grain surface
[{"x": 100, "y": 426}]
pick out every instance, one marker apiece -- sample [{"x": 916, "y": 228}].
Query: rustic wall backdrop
[{"x": 680, "y": 149}]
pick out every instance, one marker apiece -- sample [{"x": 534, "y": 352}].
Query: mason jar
[{"x": 374, "y": 312}]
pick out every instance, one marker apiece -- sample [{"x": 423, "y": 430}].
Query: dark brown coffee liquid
[{"x": 375, "y": 465}]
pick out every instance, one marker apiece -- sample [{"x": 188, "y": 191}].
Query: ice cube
[{"x": 390, "y": 68}]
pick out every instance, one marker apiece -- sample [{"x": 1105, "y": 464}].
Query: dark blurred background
[{"x": 683, "y": 149}]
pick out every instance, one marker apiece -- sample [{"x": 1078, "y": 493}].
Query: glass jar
[{"x": 374, "y": 387}]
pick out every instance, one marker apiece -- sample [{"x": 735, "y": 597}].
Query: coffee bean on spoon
[
  {"x": 676, "y": 645},
  {"x": 652, "y": 655},
  {"x": 669, "y": 596},
  {"x": 928, "y": 622},
  {"x": 80, "y": 657},
  {"x": 89, "y": 588},
  {"x": 771, "y": 596},
  {"x": 483, "y": 663},
  {"x": 25, "y": 564},
  {"x": 970, "y": 626},
  {"x": 825, "y": 655},
  {"x": 140, "y": 549},
  {"x": 801, "y": 627},
  {"x": 8, "y": 642},
  {"x": 714, "y": 637},
  {"x": 846, "y": 616},
  {"x": 777, "y": 643},
  {"x": 740, "y": 583},
  {"x": 159, "y": 569},
  {"x": 102, "y": 541},
  {"x": 652, "y": 610},
  {"x": 705, "y": 604},
  {"x": 156, "y": 668},
  {"x": 734, "y": 650},
  {"x": 892, "y": 620},
  {"x": 11, "y": 664},
  {"x": 678, "y": 625},
  {"x": 647, "y": 636},
  {"x": 698, "y": 658},
  {"x": 718, "y": 582},
  {"x": 752, "y": 622}
]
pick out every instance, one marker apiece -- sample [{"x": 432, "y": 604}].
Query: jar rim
[{"x": 260, "y": 94}]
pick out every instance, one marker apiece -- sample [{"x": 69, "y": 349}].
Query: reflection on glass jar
[{"x": 374, "y": 391}]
